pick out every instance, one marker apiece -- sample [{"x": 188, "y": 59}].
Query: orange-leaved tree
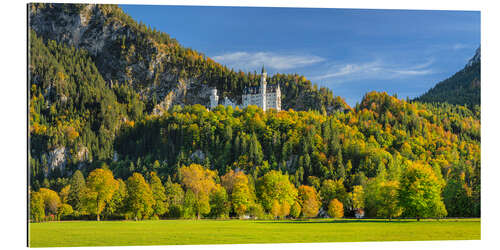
[{"x": 201, "y": 182}]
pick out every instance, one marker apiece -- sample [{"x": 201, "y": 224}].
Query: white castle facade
[{"x": 264, "y": 96}]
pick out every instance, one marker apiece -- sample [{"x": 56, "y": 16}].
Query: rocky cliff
[
  {"x": 105, "y": 32},
  {"x": 157, "y": 66},
  {"x": 93, "y": 68}
]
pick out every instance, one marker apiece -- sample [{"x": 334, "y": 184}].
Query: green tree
[
  {"x": 76, "y": 190},
  {"x": 117, "y": 203},
  {"x": 275, "y": 186},
  {"x": 389, "y": 206},
  {"x": 420, "y": 192},
  {"x": 295, "y": 210},
  {"x": 37, "y": 206},
  {"x": 160, "y": 206},
  {"x": 332, "y": 189},
  {"x": 64, "y": 210},
  {"x": 175, "y": 198},
  {"x": 314, "y": 181},
  {"x": 64, "y": 194},
  {"x": 219, "y": 203},
  {"x": 100, "y": 189},
  {"x": 189, "y": 206},
  {"x": 458, "y": 197},
  {"x": 357, "y": 197},
  {"x": 241, "y": 198},
  {"x": 140, "y": 198}
]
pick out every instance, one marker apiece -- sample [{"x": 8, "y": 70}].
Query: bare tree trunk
[{"x": 97, "y": 208}]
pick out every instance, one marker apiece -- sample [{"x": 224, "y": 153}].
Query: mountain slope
[
  {"x": 463, "y": 88},
  {"x": 157, "y": 66}
]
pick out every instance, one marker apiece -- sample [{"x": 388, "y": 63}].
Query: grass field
[{"x": 175, "y": 232}]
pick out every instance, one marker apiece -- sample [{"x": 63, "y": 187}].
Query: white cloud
[
  {"x": 459, "y": 46},
  {"x": 376, "y": 69},
  {"x": 252, "y": 61}
]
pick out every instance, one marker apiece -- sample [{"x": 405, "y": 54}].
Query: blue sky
[{"x": 350, "y": 51}]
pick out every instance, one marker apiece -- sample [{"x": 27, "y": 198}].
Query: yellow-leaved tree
[
  {"x": 201, "y": 182},
  {"x": 309, "y": 201},
  {"x": 99, "y": 189},
  {"x": 336, "y": 209}
]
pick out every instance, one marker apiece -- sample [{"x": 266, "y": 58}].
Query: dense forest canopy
[{"x": 97, "y": 148}]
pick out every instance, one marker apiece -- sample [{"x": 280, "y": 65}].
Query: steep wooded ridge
[
  {"x": 157, "y": 66},
  {"x": 110, "y": 96},
  {"x": 463, "y": 88}
]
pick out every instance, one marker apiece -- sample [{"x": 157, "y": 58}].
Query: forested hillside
[
  {"x": 116, "y": 129},
  {"x": 463, "y": 88},
  {"x": 155, "y": 65}
]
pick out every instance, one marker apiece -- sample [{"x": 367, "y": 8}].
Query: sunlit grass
[{"x": 181, "y": 232}]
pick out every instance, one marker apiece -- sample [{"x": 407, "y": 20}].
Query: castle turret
[
  {"x": 263, "y": 88},
  {"x": 278, "y": 98},
  {"x": 214, "y": 98}
]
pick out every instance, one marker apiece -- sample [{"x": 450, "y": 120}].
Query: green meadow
[{"x": 191, "y": 232}]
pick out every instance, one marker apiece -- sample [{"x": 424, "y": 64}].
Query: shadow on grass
[{"x": 332, "y": 221}]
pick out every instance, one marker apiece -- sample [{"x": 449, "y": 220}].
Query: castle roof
[{"x": 270, "y": 88}]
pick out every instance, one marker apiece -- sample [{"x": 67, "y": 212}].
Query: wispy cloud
[
  {"x": 465, "y": 46},
  {"x": 249, "y": 61},
  {"x": 459, "y": 46},
  {"x": 376, "y": 70}
]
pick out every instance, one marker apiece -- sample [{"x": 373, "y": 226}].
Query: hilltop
[
  {"x": 157, "y": 66},
  {"x": 463, "y": 88}
]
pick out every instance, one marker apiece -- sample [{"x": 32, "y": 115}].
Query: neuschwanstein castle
[{"x": 264, "y": 96}]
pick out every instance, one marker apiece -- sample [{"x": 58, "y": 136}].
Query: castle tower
[
  {"x": 278, "y": 97},
  {"x": 214, "y": 98},
  {"x": 263, "y": 88}
]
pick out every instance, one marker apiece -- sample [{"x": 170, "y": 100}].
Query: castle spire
[{"x": 263, "y": 69}]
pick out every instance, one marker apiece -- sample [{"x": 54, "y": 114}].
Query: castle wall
[{"x": 264, "y": 98}]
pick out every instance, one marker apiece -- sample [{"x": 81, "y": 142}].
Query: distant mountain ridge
[
  {"x": 475, "y": 59},
  {"x": 463, "y": 88}
]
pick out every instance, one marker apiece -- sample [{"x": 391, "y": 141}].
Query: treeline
[
  {"x": 81, "y": 105},
  {"x": 202, "y": 193},
  {"x": 367, "y": 149}
]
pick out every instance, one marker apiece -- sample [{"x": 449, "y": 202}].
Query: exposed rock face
[
  {"x": 147, "y": 67},
  {"x": 115, "y": 156},
  {"x": 58, "y": 159},
  {"x": 476, "y": 58},
  {"x": 82, "y": 154},
  {"x": 185, "y": 93},
  {"x": 198, "y": 154}
]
